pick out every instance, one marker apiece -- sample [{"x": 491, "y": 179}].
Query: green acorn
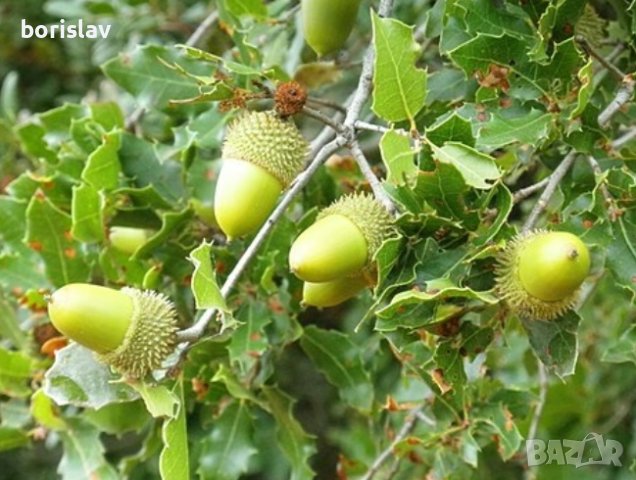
[
  {"x": 328, "y": 23},
  {"x": 540, "y": 272},
  {"x": 128, "y": 239},
  {"x": 262, "y": 155},
  {"x": 335, "y": 292},
  {"x": 129, "y": 329},
  {"x": 342, "y": 241}
]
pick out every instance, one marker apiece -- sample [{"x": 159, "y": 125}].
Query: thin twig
[
  {"x": 623, "y": 96},
  {"x": 378, "y": 190},
  {"x": 372, "y": 127},
  {"x": 201, "y": 31},
  {"x": 197, "y": 330},
  {"x": 524, "y": 193},
  {"x": 613, "y": 69},
  {"x": 321, "y": 102},
  {"x": 344, "y": 137},
  {"x": 553, "y": 182},
  {"x": 538, "y": 411},
  {"x": 624, "y": 139},
  {"x": 321, "y": 117},
  {"x": 409, "y": 424}
]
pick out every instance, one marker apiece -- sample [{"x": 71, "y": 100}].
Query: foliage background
[{"x": 275, "y": 391}]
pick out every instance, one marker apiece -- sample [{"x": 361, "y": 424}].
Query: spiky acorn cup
[
  {"x": 262, "y": 155},
  {"x": 540, "y": 272},
  {"x": 129, "y": 329},
  {"x": 342, "y": 241}
]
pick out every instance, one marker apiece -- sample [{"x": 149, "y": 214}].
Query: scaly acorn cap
[
  {"x": 539, "y": 273},
  {"x": 373, "y": 220},
  {"x": 342, "y": 241},
  {"x": 150, "y": 338},
  {"x": 129, "y": 329},
  {"x": 268, "y": 141}
]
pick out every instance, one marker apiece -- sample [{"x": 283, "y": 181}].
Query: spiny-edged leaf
[
  {"x": 102, "y": 166},
  {"x": 624, "y": 350},
  {"x": 451, "y": 128},
  {"x": 555, "y": 342},
  {"x": 295, "y": 443},
  {"x": 91, "y": 386},
  {"x": 83, "y": 454},
  {"x": 586, "y": 78},
  {"x": 621, "y": 254},
  {"x": 159, "y": 399},
  {"x": 443, "y": 189},
  {"x": 15, "y": 372},
  {"x": 227, "y": 449},
  {"x": 399, "y": 87},
  {"x": 204, "y": 285},
  {"x": 49, "y": 233},
  {"x": 32, "y": 140},
  {"x": 485, "y": 16},
  {"x": 145, "y": 74},
  {"x": 140, "y": 162},
  {"x": 11, "y": 438},
  {"x": 171, "y": 222},
  {"x": 531, "y": 128},
  {"x": 225, "y": 376},
  {"x": 340, "y": 361},
  {"x": 87, "y": 214},
  {"x": 45, "y": 412},
  {"x": 12, "y": 219},
  {"x": 174, "y": 459},
  {"x": 249, "y": 340},
  {"x": 500, "y": 422},
  {"x": 477, "y": 168},
  {"x": 502, "y": 204},
  {"x": 398, "y": 157}
]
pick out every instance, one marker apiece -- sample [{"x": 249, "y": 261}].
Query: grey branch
[
  {"x": 409, "y": 425},
  {"x": 324, "y": 151},
  {"x": 524, "y": 193},
  {"x": 624, "y": 95},
  {"x": 376, "y": 186},
  {"x": 538, "y": 411}
]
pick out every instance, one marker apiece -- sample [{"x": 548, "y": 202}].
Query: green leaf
[
  {"x": 32, "y": 139},
  {"x": 9, "y": 96},
  {"x": 530, "y": 128},
  {"x": 174, "y": 459},
  {"x": 398, "y": 158},
  {"x": 451, "y": 128},
  {"x": 586, "y": 79},
  {"x": 49, "y": 233},
  {"x": 204, "y": 284},
  {"x": 621, "y": 254},
  {"x": 624, "y": 349},
  {"x": 296, "y": 444},
  {"x": 11, "y": 438},
  {"x": 399, "y": 87},
  {"x": 87, "y": 214},
  {"x": 160, "y": 400},
  {"x": 145, "y": 74},
  {"x": 226, "y": 451},
  {"x": 254, "y": 8},
  {"x": 341, "y": 362},
  {"x": 555, "y": 342},
  {"x": 102, "y": 167},
  {"x": 91, "y": 386},
  {"x": 9, "y": 324},
  {"x": 119, "y": 418},
  {"x": 107, "y": 114},
  {"x": 45, "y": 412},
  {"x": 15, "y": 373},
  {"x": 249, "y": 340},
  {"x": 171, "y": 222},
  {"x": 84, "y": 454},
  {"x": 476, "y": 168},
  {"x": 500, "y": 423}
]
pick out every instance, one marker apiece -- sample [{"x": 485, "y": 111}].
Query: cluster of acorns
[{"x": 539, "y": 273}]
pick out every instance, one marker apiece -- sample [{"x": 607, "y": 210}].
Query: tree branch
[
  {"x": 623, "y": 96},
  {"x": 524, "y": 193},
  {"x": 378, "y": 190},
  {"x": 407, "y": 427},
  {"x": 538, "y": 411}
]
